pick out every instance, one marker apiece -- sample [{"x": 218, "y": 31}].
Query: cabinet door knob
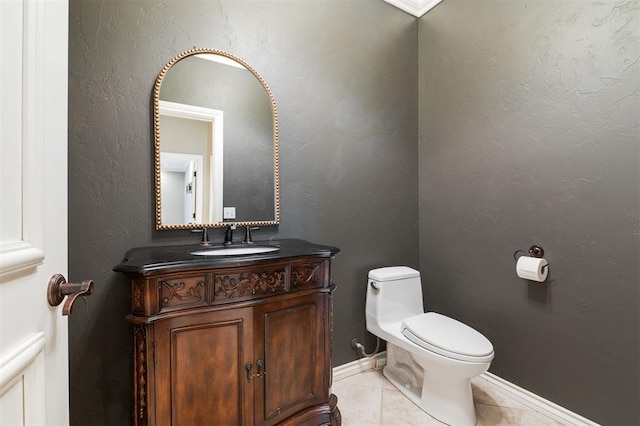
[
  {"x": 261, "y": 372},
  {"x": 248, "y": 367},
  {"x": 59, "y": 288}
]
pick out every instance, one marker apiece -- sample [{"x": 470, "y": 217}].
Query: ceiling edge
[{"x": 416, "y": 8}]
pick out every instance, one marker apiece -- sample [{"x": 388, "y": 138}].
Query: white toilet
[{"x": 431, "y": 358}]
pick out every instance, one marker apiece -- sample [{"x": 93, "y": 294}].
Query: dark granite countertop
[{"x": 147, "y": 260}]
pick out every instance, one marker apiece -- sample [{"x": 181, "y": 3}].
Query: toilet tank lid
[{"x": 392, "y": 273}]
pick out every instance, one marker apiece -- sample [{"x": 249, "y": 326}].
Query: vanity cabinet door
[
  {"x": 291, "y": 340},
  {"x": 200, "y": 375}
]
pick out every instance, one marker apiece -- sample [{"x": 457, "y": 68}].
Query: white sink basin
[{"x": 234, "y": 251}]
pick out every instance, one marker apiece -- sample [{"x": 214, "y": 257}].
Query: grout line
[{"x": 381, "y": 407}]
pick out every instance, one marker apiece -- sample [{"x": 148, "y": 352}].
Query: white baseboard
[
  {"x": 537, "y": 403},
  {"x": 358, "y": 366},
  {"x": 529, "y": 399}
]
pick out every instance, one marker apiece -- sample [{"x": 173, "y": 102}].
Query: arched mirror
[{"x": 216, "y": 143}]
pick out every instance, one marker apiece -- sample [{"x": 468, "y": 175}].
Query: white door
[
  {"x": 34, "y": 385},
  {"x": 190, "y": 193}
]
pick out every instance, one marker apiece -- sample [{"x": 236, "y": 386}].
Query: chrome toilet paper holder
[{"x": 534, "y": 251}]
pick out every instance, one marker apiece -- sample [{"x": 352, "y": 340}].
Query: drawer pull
[
  {"x": 248, "y": 367},
  {"x": 261, "y": 372}
]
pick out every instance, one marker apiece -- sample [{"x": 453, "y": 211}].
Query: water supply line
[{"x": 360, "y": 347}]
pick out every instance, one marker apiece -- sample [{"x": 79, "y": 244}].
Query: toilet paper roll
[{"x": 531, "y": 268}]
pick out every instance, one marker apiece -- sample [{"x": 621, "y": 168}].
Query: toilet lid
[{"x": 447, "y": 337}]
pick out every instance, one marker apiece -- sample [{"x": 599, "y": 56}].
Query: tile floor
[{"x": 368, "y": 399}]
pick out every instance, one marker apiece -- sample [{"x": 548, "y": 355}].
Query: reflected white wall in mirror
[{"x": 192, "y": 130}]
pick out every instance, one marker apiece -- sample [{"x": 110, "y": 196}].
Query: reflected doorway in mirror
[
  {"x": 181, "y": 177},
  {"x": 192, "y": 130}
]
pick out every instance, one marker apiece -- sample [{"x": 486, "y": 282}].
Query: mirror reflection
[{"x": 216, "y": 143}]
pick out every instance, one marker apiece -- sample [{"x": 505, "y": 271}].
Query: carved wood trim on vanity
[
  {"x": 181, "y": 293},
  {"x": 140, "y": 367},
  {"x": 305, "y": 275},
  {"x": 156, "y": 294},
  {"x": 250, "y": 284},
  {"x": 138, "y": 297}
]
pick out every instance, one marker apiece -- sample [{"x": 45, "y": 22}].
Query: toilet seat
[{"x": 447, "y": 337}]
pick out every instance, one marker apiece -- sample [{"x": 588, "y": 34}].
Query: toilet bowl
[{"x": 431, "y": 358}]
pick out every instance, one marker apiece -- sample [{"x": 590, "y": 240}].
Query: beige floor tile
[
  {"x": 398, "y": 410},
  {"x": 359, "y": 405},
  {"x": 490, "y": 415},
  {"x": 485, "y": 393},
  {"x": 387, "y": 384},
  {"x": 371, "y": 378},
  {"x": 369, "y": 399}
]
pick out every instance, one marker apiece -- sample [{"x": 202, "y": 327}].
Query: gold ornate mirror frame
[{"x": 156, "y": 133}]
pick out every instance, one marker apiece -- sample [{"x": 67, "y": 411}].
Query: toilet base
[{"x": 441, "y": 394}]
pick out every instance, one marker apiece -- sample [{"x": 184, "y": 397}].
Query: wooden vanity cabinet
[
  {"x": 291, "y": 338},
  {"x": 248, "y": 344},
  {"x": 199, "y": 370}
]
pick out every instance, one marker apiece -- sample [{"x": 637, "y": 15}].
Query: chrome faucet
[{"x": 228, "y": 235}]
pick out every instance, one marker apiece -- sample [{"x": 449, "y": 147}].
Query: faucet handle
[
  {"x": 205, "y": 236},
  {"x": 247, "y": 234}
]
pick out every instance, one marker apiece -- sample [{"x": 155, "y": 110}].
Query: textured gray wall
[
  {"x": 529, "y": 134},
  {"x": 344, "y": 75}
]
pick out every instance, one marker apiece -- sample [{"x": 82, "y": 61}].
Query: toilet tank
[{"x": 398, "y": 296}]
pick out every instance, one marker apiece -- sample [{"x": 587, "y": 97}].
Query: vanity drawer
[
  {"x": 308, "y": 274},
  {"x": 182, "y": 292},
  {"x": 244, "y": 284}
]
